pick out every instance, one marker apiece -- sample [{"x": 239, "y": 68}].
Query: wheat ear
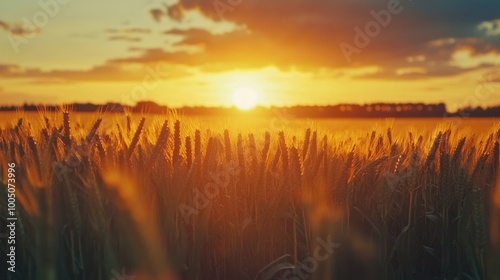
[{"x": 135, "y": 139}]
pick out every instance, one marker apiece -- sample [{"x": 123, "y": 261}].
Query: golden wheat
[{"x": 250, "y": 203}]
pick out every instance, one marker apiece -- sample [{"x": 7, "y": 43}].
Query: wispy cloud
[
  {"x": 16, "y": 29},
  {"x": 108, "y": 72},
  {"x": 124, "y": 38}
]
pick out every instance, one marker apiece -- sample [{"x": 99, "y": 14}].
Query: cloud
[
  {"x": 125, "y": 34},
  {"x": 134, "y": 30},
  {"x": 307, "y": 34},
  {"x": 442, "y": 57},
  {"x": 427, "y": 39},
  {"x": 17, "y": 29},
  {"x": 124, "y": 38},
  {"x": 16, "y": 98},
  {"x": 108, "y": 72},
  {"x": 175, "y": 12},
  {"x": 491, "y": 28},
  {"x": 234, "y": 50},
  {"x": 493, "y": 76},
  {"x": 156, "y": 14}
]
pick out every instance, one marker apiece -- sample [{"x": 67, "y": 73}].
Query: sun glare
[{"x": 245, "y": 98}]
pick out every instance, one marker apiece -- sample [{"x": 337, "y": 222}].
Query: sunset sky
[{"x": 289, "y": 52}]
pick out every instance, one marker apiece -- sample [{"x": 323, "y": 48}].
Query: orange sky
[{"x": 290, "y": 52}]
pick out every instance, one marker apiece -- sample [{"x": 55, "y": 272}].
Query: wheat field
[{"x": 144, "y": 197}]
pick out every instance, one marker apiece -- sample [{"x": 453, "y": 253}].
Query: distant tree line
[{"x": 373, "y": 110}]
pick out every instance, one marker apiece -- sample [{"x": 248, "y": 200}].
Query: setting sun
[{"x": 245, "y": 98}]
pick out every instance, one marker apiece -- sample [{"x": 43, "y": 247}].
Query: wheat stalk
[
  {"x": 197, "y": 152},
  {"x": 227, "y": 145},
  {"x": 313, "y": 148},
  {"x": 446, "y": 187},
  {"x": 241, "y": 155},
  {"x": 189, "y": 153},
  {"x": 67, "y": 131},
  {"x": 93, "y": 131},
  {"x": 160, "y": 144},
  {"x": 136, "y": 137},
  {"x": 129, "y": 125},
  {"x": 284, "y": 151},
  {"x": 177, "y": 143},
  {"x": 305, "y": 147},
  {"x": 36, "y": 157},
  {"x": 455, "y": 160},
  {"x": 253, "y": 152},
  {"x": 479, "y": 218},
  {"x": 432, "y": 153},
  {"x": 295, "y": 167}
]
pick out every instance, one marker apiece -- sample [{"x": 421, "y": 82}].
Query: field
[{"x": 116, "y": 196}]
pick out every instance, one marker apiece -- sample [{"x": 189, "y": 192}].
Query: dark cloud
[
  {"x": 308, "y": 34},
  {"x": 238, "y": 49},
  {"x": 419, "y": 42}
]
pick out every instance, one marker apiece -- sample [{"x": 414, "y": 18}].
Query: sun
[{"x": 245, "y": 98}]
